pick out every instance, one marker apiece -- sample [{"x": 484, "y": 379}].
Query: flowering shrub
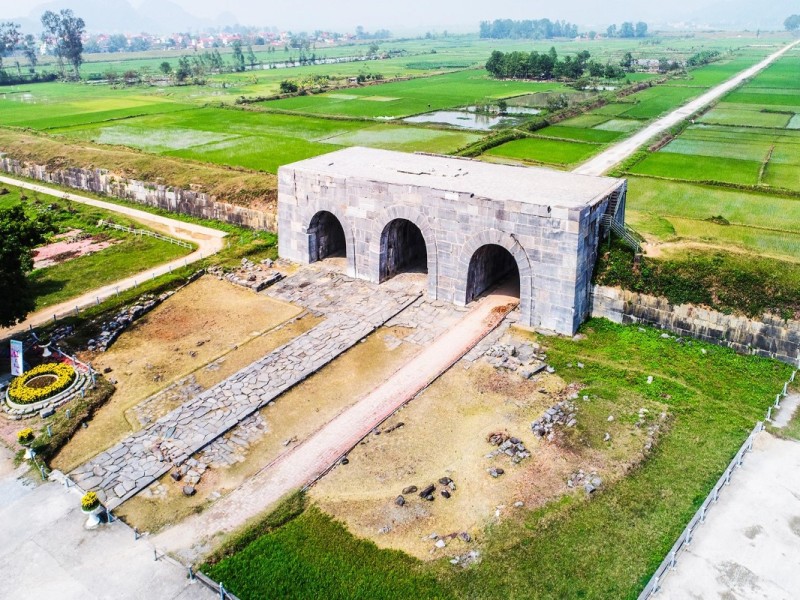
[
  {"x": 19, "y": 391},
  {"x": 90, "y": 501},
  {"x": 25, "y": 436}
]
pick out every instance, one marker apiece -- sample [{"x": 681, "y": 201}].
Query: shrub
[{"x": 25, "y": 436}]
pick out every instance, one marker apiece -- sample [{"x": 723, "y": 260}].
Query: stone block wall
[
  {"x": 770, "y": 336},
  {"x": 100, "y": 181},
  {"x": 554, "y": 248}
]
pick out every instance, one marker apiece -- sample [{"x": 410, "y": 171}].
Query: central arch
[
  {"x": 403, "y": 249},
  {"x": 326, "y": 237},
  {"x": 491, "y": 264}
]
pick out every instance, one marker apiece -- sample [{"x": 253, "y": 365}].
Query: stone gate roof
[{"x": 532, "y": 185}]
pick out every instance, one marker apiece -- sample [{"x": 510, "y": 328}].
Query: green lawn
[
  {"x": 546, "y": 151},
  {"x": 603, "y": 547},
  {"x": 129, "y": 255}
]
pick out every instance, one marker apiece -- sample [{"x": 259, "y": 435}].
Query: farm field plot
[
  {"x": 71, "y": 275},
  {"x": 747, "y": 139},
  {"x": 258, "y": 140},
  {"x": 406, "y": 98},
  {"x": 694, "y": 168},
  {"x": 546, "y": 151},
  {"x": 48, "y": 105},
  {"x": 639, "y": 514}
]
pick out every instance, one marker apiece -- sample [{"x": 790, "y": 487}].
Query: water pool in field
[{"x": 470, "y": 118}]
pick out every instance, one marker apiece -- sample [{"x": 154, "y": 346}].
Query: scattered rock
[
  {"x": 495, "y": 472},
  {"x": 344, "y": 461},
  {"x": 607, "y": 437},
  {"x": 384, "y": 530},
  {"x": 410, "y": 489},
  {"x": 465, "y": 537},
  {"x": 445, "y": 480},
  {"x": 649, "y": 379},
  {"x": 400, "y": 501},
  {"x": 440, "y": 544},
  {"x": 427, "y": 491},
  {"x": 188, "y": 490},
  {"x": 176, "y": 475},
  {"x": 610, "y": 418},
  {"x": 445, "y": 493}
]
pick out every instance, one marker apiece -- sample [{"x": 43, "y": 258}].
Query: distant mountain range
[
  {"x": 165, "y": 16},
  {"x": 120, "y": 16}
]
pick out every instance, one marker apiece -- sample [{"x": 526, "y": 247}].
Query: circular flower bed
[{"x": 41, "y": 383}]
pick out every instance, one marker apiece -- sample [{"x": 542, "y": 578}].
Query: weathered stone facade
[
  {"x": 548, "y": 222},
  {"x": 771, "y": 336},
  {"x": 101, "y": 181}
]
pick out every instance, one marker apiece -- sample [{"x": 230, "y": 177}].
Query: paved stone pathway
[
  {"x": 308, "y": 460},
  {"x": 353, "y": 309}
]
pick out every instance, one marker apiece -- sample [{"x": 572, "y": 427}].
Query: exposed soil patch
[
  {"x": 67, "y": 246},
  {"x": 210, "y": 321},
  {"x": 467, "y": 442}
]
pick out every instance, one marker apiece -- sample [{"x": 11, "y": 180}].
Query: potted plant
[
  {"x": 25, "y": 438},
  {"x": 90, "y": 505}
]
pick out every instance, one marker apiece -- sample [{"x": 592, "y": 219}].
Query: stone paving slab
[{"x": 353, "y": 308}]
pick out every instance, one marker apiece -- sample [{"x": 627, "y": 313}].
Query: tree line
[
  {"x": 537, "y": 29},
  {"x": 547, "y": 65},
  {"x": 627, "y": 30}
]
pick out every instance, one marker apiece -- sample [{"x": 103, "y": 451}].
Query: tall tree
[
  {"x": 641, "y": 29},
  {"x": 792, "y": 23},
  {"x": 238, "y": 56},
  {"x": 9, "y": 38},
  {"x": 30, "y": 50},
  {"x": 20, "y": 235},
  {"x": 626, "y": 30},
  {"x": 64, "y": 31}
]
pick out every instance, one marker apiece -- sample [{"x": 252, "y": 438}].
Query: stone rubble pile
[
  {"x": 562, "y": 413},
  {"x": 111, "y": 329},
  {"x": 523, "y": 359},
  {"x": 590, "y": 482},
  {"x": 509, "y": 446},
  {"x": 441, "y": 541},
  {"x": 253, "y": 276}
]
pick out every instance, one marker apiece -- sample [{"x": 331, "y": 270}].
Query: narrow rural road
[
  {"x": 310, "y": 459},
  {"x": 619, "y": 152},
  {"x": 209, "y": 241}
]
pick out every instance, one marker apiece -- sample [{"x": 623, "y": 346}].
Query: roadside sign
[{"x": 17, "y": 367}]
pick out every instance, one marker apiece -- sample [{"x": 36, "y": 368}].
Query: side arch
[
  {"x": 504, "y": 240},
  {"x": 414, "y": 216},
  {"x": 349, "y": 234}
]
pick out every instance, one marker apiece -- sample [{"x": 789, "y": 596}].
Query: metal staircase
[{"x": 610, "y": 221}]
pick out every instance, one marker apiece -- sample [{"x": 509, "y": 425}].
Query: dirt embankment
[{"x": 227, "y": 184}]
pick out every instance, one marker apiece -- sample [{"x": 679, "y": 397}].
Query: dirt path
[
  {"x": 209, "y": 241},
  {"x": 619, "y": 152},
  {"x": 308, "y": 461}
]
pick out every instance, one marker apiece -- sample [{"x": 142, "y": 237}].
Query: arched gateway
[{"x": 468, "y": 224}]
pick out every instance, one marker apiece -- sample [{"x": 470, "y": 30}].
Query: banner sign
[{"x": 16, "y": 358}]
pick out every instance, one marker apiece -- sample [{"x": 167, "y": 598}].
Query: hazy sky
[{"x": 413, "y": 14}]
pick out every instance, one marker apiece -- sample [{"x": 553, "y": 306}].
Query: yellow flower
[
  {"x": 25, "y": 436},
  {"x": 19, "y": 391},
  {"x": 90, "y": 501}
]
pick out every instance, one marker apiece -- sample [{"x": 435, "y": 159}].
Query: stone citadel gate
[{"x": 467, "y": 224}]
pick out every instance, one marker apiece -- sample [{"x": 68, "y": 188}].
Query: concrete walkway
[
  {"x": 209, "y": 241},
  {"x": 619, "y": 152},
  {"x": 46, "y": 553},
  {"x": 749, "y": 546},
  {"x": 309, "y": 460}
]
